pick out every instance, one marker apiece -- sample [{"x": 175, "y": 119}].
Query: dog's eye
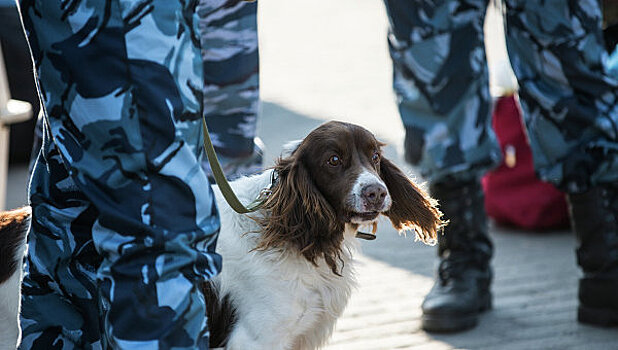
[
  {"x": 334, "y": 160},
  {"x": 376, "y": 158}
]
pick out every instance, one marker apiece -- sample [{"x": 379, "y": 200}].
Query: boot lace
[{"x": 453, "y": 267}]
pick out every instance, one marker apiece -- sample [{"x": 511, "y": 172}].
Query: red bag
[{"x": 513, "y": 193}]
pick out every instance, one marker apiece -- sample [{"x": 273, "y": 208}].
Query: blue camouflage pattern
[
  {"x": 231, "y": 90},
  {"x": 229, "y": 40},
  {"x": 612, "y": 63},
  {"x": 567, "y": 97},
  {"x": 441, "y": 80},
  {"x": 124, "y": 220}
]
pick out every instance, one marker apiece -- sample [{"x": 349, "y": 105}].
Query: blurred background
[{"x": 328, "y": 59}]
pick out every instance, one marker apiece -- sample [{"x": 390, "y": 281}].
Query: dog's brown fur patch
[{"x": 14, "y": 226}]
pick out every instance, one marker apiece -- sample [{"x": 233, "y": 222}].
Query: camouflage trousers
[
  {"x": 124, "y": 221},
  {"x": 228, "y": 33},
  {"x": 231, "y": 91},
  {"x": 568, "y": 100}
]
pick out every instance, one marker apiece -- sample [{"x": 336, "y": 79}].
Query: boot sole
[
  {"x": 597, "y": 317},
  {"x": 454, "y": 322}
]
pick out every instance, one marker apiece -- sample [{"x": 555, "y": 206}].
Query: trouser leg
[
  {"x": 569, "y": 103},
  {"x": 440, "y": 78},
  {"x": 441, "y": 81},
  {"x": 60, "y": 308},
  {"x": 570, "y": 109},
  {"x": 231, "y": 90},
  {"x": 121, "y": 84}
]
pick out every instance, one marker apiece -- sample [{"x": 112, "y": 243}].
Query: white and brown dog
[{"x": 288, "y": 269}]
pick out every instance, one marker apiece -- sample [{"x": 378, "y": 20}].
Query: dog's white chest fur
[{"x": 282, "y": 301}]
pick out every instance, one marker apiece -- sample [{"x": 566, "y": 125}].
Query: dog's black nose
[{"x": 374, "y": 195}]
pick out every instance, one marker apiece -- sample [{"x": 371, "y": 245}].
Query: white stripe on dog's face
[{"x": 364, "y": 179}]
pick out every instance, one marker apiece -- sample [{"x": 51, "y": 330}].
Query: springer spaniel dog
[
  {"x": 13, "y": 229},
  {"x": 288, "y": 269}
]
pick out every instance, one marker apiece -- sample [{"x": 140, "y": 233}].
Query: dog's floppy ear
[
  {"x": 300, "y": 216},
  {"x": 412, "y": 208}
]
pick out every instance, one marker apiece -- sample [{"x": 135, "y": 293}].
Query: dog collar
[
  {"x": 368, "y": 236},
  {"x": 268, "y": 190}
]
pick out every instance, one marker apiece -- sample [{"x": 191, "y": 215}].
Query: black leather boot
[
  {"x": 461, "y": 291},
  {"x": 594, "y": 216}
]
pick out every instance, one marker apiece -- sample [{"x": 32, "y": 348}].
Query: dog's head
[{"x": 336, "y": 176}]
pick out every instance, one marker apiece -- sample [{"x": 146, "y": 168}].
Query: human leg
[
  {"x": 60, "y": 307},
  {"x": 570, "y": 107},
  {"x": 124, "y": 222},
  {"x": 441, "y": 81},
  {"x": 231, "y": 90}
]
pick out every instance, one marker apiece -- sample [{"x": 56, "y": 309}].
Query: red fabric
[{"x": 515, "y": 196}]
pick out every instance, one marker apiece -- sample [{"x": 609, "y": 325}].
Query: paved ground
[{"x": 327, "y": 59}]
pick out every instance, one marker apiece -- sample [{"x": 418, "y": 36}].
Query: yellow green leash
[{"x": 224, "y": 185}]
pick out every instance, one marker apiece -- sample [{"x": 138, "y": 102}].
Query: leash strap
[{"x": 224, "y": 185}]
